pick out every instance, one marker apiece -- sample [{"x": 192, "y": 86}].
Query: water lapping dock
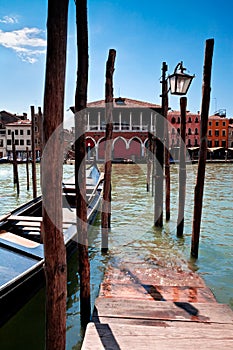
[{"x": 149, "y": 307}]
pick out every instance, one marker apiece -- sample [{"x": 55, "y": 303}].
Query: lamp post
[{"x": 179, "y": 83}]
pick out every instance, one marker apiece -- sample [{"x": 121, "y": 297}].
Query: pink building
[{"x": 192, "y": 129}]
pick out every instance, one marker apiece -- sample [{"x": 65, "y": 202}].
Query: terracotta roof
[
  {"x": 125, "y": 103},
  {"x": 175, "y": 113},
  {"x": 20, "y": 123},
  {"x": 217, "y": 117}
]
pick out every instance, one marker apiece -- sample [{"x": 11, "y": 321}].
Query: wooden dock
[{"x": 150, "y": 307}]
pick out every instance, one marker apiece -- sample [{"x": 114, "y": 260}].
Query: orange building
[{"x": 218, "y": 126}]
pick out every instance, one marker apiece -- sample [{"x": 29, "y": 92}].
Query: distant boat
[
  {"x": 21, "y": 250},
  {"x": 4, "y": 160}
]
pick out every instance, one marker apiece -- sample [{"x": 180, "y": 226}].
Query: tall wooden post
[
  {"x": 182, "y": 168},
  {"x": 149, "y": 160},
  {"x": 199, "y": 188},
  {"x": 80, "y": 160},
  {"x": 106, "y": 206},
  {"x": 52, "y": 173},
  {"x": 27, "y": 168},
  {"x": 15, "y": 165},
  {"x": 34, "y": 186},
  {"x": 40, "y": 123},
  {"x": 158, "y": 185},
  {"x": 166, "y": 153}
]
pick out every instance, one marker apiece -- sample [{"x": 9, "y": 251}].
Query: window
[
  {"x": 216, "y": 143},
  {"x": 178, "y": 130},
  {"x": 190, "y": 120},
  {"x": 21, "y": 132},
  {"x": 196, "y": 143},
  {"x": 173, "y": 120},
  {"x": 16, "y": 132},
  {"x": 223, "y": 123},
  {"x": 178, "y": 120},
  {"x": 224, "y": 143},
  {"x": 21, "y": 142},
  {"x": 196, "y": 120},
  {"x": 216, "y": 133},
  {"x": 223, "y": 132},
  {"x": 196, "y": 131},
  {"x": 189, "y": 131},
  {"x": 189, "y": 143},
  {"x": 9, "y": 132},
  {"x": 16, "y": 142},
  {"x": 120, "y": 101},
  {"x": 210, "y": 123},
  {"x": 28, "y": 132},
  {"x": 209, "y": 143},
  {"x": 28, "y": 142},
  {"x": 210, "y": 132},
  {"x": 1, "y": 143},
  {"x": 8, "y": 142},
  {"x": 216, "y": 123}
]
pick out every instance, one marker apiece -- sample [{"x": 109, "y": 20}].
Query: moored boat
[{"x": 21, "y": 247}]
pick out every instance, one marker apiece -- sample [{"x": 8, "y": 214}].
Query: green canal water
[{"x": 132, "y": 239}]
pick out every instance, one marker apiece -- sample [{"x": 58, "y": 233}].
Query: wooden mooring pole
[
  {"x": 182, "y": 168},
  {"x": 27, "y": 168},
  {"x": 158, "y": 185},
  {"x": 34, "y": 186},
  {"x": 106, "y": 206},
  {"x": 52, "y": 174},
  {"x": 149, "y": 161},
  {"x": 80, "y": 161},
  {"x": 199, "y": 188},
  {"x": 166, "y": 153},
  {"x": 15, "y": 165}
]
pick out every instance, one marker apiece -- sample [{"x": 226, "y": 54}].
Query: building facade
[
  {"x": 218, "y": 131},
  {"x": 192, "y": 138},
  {"x": 132, "y": 120},
  {"x": 20, "y": 128}
]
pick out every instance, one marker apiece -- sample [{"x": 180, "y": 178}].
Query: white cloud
[
  {"x": 8, "y": 19},
  {"x": 27, "y": 43}
]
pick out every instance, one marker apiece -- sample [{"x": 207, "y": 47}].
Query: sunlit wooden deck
[{"x": 144, "y": 307}]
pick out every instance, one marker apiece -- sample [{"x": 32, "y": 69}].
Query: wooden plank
[
  {"x": 25, "y": 218},
  {"x": 156, "y": 276},
  {"x": 32, "y": 224},
  {"x": 172, "y": 335},
  {"x": 133, "y": 290},
  {"x": 11, "y": 237},
  {"x": 160, "y": 310}
]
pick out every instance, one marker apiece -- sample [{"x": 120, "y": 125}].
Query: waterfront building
[
  {"x": 218, "y": 131},
  {"x": 132, "y": 119},
  {"x": 21, "y": 127},
  {"x": 192, "y": 129},
  {"x": 22, "y": 137},
  {"x": 6, "y": 118},
  {"x": 218, "y": 128}
]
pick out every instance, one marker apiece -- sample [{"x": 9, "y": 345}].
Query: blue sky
[{"x": 144, "y": 34}]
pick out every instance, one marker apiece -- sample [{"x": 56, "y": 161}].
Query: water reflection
[{"x": 133, "y": 238}]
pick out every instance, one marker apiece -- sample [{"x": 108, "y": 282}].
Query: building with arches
[{"x": 132, "y": 120}]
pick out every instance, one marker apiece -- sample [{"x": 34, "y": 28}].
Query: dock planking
[{"x": 144, "y": 307}]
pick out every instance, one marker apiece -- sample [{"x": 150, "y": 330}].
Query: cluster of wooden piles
[{"x": 143, "y": 307}]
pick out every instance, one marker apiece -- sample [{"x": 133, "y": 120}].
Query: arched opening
[
  {"x": 119, "y": 149},
  {"x": 135, "y": 150}
]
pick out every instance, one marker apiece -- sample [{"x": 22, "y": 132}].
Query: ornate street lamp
[{"x": 179, "y": 81}]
